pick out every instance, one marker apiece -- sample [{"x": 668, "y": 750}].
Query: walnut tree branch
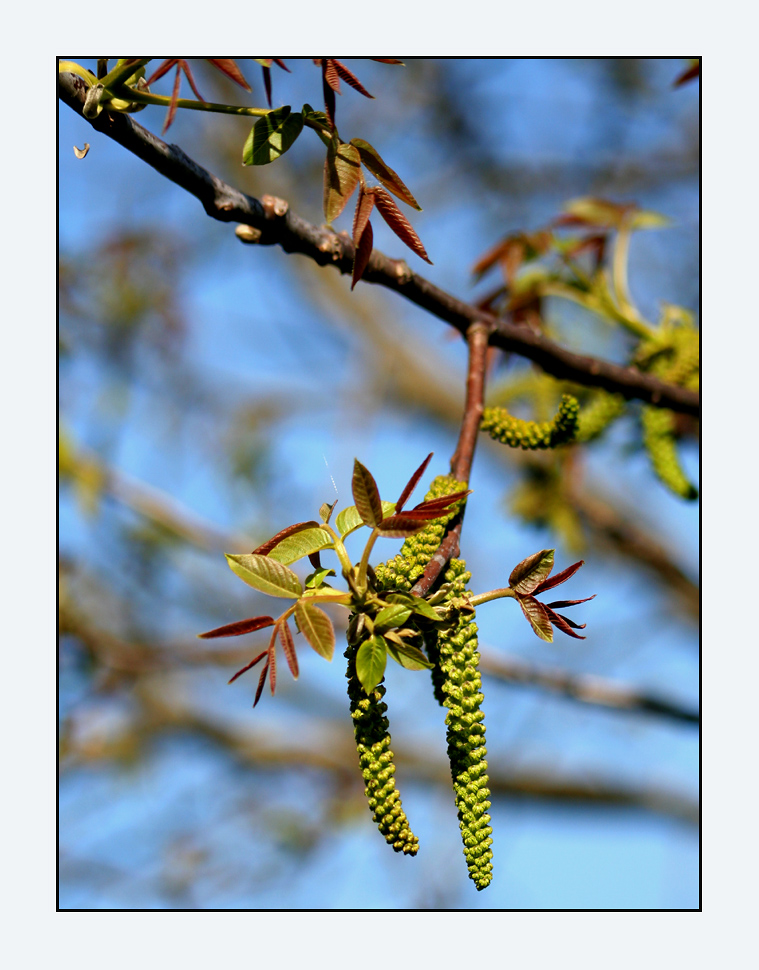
[{"x": 276, "y": 224}]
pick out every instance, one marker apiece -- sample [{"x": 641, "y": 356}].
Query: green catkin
[
  {"x": 370, "y": 727},
  {"x": 659, "y": 441},
  {"x": 517, "y": 433},
  {"x": 461, "y": 688},
  {"x": 403, "y": 570},
  {"x": 598, "y": 414},
  {"x": 456, "y": 683}
]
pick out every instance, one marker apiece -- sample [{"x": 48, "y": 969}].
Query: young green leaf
[
  {"x": 366, "y": 495},
  {"x": 266, "y": 575},
  {"x": 271, "y": 136},
  {"x": 530, "y": 572},
  {"x": 324, "y": 595},
  {"x": 301, "y": 544},
  {"x": 317, "y": 577},
  {"x": 349, "y": 519},
  {"x": 316, "y": 627},
  {"x": 371, "y": 659},
  {"x": 390, "y": 179},
  {"x": 415, "y": 603},
  {"x": 399, "y": 223},
  {"x": 391, "y": 616},
  {"x": 237, "y": 629},
  {"x": 342, "y": 168},
  {"x": 407, "y": 656}
]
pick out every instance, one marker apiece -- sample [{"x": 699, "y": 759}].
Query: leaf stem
[
  {"x": 144, "y": 97},
  {"x": 493, "y": 594}
]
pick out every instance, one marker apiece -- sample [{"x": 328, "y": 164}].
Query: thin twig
[{"x": 278, "y": 225}]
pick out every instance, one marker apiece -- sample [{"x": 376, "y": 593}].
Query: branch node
[
  {"x": 274, "y": 207},
  {"x": 248, "y": 234},
  {"x": 402, "y": 271}
]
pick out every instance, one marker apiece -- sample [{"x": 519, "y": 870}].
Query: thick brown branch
[{"x": 277, "y": 225}]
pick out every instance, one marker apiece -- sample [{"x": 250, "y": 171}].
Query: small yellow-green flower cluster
[
  {"x": 461, "y": 689},
  {"x": 370, "y": 727},
  {"x": 659, "y": 442},
  {"x": 456, "y": 683},
  {"x": 517, "y": 433},
  {"x": 403, "y": 570},
  {"x": 598, "y": 414}
]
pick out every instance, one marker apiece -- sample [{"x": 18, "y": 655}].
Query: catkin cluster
[
  {"x": 370, "y": 727},
  {"x": 456, "y": 682},
  {"x": 460, "y": 686},
  {"x": 403, "y": 570},
  {"x": 659, "y": 442},
  {"x": 517, "y": 433},
  {"x": 598, "y": 414}
]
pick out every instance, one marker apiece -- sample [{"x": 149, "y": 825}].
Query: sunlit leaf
[
  {"x": 271, "y": 136},
  {"x": 266, "y": 547},
  {"x": 237, "y": 629},
  {"x": 316, "y": 627},
  {"x": 366, "y": 495},
  {"x": 364, "y": 206},
  {"x": 324, "y": 595},
  {"x": 300, "y": 545},
  {"x": 530, "y": 572},
  {"x": 381, "y": 171},
  {"x": 326, "y": 510},
  {"x": 371, "y": 659},
  {"x": 349, "y": 518},
  {"x": 342, "y": 168},
  {"x": 266, "y": 575},
  {"x": 317, "y": 577},
  {"x": 538, "y": 616},
  {"x": 415, "y": 603},
  {"x": 399, "y": 223}
]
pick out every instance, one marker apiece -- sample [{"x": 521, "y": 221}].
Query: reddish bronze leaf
[
  {"x": 399, "y": 223},
  {"x": 530, "y": 572},
  {"x": 228, "y": 66},
  {"x": 401, "y": 526},
  {"x": 366, "y": 495},
  {"x": 439, "y": 505},
  {"x": 561, "y": 577},
  {"x": 560, "y": 604},
  {"x": 350, "y": 78},
  {"x": 562, "y": 623},
  {"x": 331, "y": 74},
  {"x": 267, "y": 84},
  {"x": 261, "y": 681},
  {"x": 387, "y": 60},
  {"x": 363, "y": 253},
  {"x": 390, "y": 179},
  {"x": 237, "y": 629},
  {"x": 288, "y": 647},
  {"x": 266, "y": 547},
  {"x": 538, "y": 617},
  {"x": 412, "y": 482},
  {"x": 364, "y": 206},
  {"x": 173, "y": 104},
  {"x": 248, "y": 666},
  {"x": 688, "y": 75},
  {"x": 272, "y": 668}
]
